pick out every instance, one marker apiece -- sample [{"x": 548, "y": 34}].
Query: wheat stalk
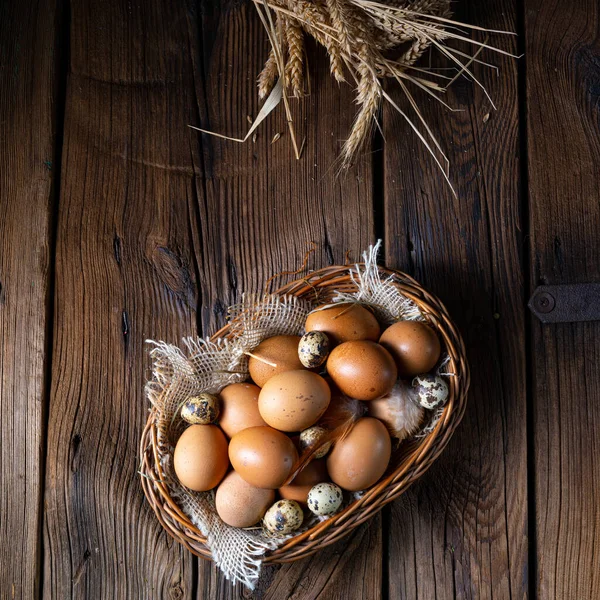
[
  {"x": 268, "y": 76},
  {"x": 358, "y": 36}
]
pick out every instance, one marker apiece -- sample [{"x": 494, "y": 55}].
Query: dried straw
[
  {"x": 359, "y": 36},
  {"x": 367, "y": 42}
]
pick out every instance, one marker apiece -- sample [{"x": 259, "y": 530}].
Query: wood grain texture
[
  {"x": 461, "y": 532},
  {"x": 259, "y": 210},
  {"x": 160, "y": 229},
  {"x": 351, "y": 568},
  {"x": 563, "y": 54},
  {"x": 28, "y": 109},
  {"x": 125, "y": 272}
]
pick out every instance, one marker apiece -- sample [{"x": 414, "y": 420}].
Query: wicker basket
[{"x": 406, "y": 466}]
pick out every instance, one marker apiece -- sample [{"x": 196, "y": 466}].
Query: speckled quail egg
[
  {"x": 431, "y": 390},
  {"x": 200, "y": 410},
  {"x": 283, "y": 517},
  {"x": 313, "y": 349},
  {"x": 310, "y": 437},
  {"x": 324, "y": 499}
]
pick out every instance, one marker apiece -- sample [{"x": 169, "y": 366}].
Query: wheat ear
[
  {"x": 294, "y": 68},
  {"x": 368, "y": 97},
  {"x": 339, "y": 20},
  {"x": 268, "y": 76}
]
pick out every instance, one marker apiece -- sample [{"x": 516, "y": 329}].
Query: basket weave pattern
[{"x": 406, "y": 466}]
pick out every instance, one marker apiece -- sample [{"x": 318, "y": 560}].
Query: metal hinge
[{"x": 566, "y": 303}]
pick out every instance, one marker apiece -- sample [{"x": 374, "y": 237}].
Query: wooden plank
[
  {"x": 461, "y": 532},
  {"x": 29, "y": 73},
  {"x": 562, "y": 48},
  {"x": 259, "y": 210},
  {"x": 125, "y": 272},
  {"x": 350, "y": 568}
]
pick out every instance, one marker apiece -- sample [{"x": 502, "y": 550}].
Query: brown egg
[
  {"x": 200, "y": 458},
  {"x": 314, "y": 472},
  {"x": 415, "y": 347},
  {"x": 239, "y": 408},
  {"x": 294, "y": 400},
  {"x": 361, "y": 458},
  {"x": 363, "y": 370},
  {"x": 344, "y": 322},
  {"x": 262, "y": 456},
  {"x": 240, "y": 504},
  {"x": 280, "y": 350}
]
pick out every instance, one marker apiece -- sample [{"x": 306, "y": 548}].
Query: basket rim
[{"x": 414, "y": 460}]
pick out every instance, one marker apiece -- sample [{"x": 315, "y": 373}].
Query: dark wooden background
[{"x": 118, "y": 224}]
